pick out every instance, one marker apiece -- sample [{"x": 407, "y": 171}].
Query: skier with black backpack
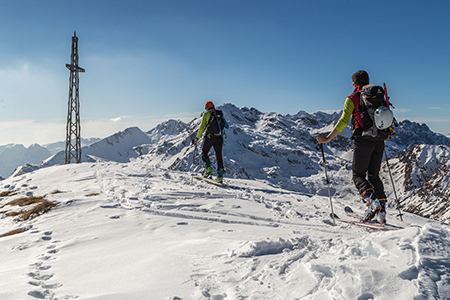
[
  {"x": 372, "y": 121},
  {"x": 213, "y": 124}
]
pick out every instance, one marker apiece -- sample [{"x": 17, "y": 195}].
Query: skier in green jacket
[{"x": 213, "y": 123}]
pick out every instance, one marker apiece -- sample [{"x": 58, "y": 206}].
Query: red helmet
[{"x": 209, "y": 105}]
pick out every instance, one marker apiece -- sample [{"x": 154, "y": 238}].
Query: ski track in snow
[
  {"x": 258, "y": 241},
  {"x": 166, "y": 202}
]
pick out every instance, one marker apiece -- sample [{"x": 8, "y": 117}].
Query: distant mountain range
[
  {"x": 281, "y": 150},
  {"x": 14, "y": 155}
]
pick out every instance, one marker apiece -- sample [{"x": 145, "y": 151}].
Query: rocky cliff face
[{"x": 422, "y": 174}]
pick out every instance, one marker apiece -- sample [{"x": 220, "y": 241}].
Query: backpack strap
[
  {"x": 356, "y": 115},
  {"x": 218, "y": 123}
]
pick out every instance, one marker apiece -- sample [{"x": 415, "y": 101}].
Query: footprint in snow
[
  {"x": 38, "y": 294},
  {"x": 37, "y": 276},
  {"x": 47, "y": 236},
  {"x": 366, "y": 296},
  {"x": 40, "y": 276}
]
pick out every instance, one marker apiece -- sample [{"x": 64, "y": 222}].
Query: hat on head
[{"x": 209, "y": 105}]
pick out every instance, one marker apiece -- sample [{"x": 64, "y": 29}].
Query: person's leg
[
  {"x": 375, "y": 180},
  {"x": 362, "y": 152},
  {"x": 207, "y": 144},
  {"x": 373, "y": 172},
  {"x": 362, "y": 159},
  {"x": 218, "y": 146},
  {"x": 381, "y": 215}
]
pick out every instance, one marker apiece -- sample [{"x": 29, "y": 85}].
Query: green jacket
[
  {"x": 349, "y": 106},
  {"x": 205, "y": 120}
]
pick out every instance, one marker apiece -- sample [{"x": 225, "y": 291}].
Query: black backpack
[
  {"x": 216, "y": 124},
  {"x": 371, "y": 97}
]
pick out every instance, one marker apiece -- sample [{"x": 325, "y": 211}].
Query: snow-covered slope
[{"x": 135, "y": 231}]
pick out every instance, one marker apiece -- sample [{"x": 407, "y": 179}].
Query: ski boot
[
  {"x": 219, "y": 178},
  {"x": 208, "y": 170},
  {"x": 381, "y": 215},
  {"x": 372, "y": 203}
]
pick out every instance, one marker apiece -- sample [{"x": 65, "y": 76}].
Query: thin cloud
[
  {"x": 29, "y": 132},
  {"x": 430, "y": 120},
  {"x": 402, "y": 110},
  {"x": 15, "y": 124}
]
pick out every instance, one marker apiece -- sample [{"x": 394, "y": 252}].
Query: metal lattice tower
[{"x": 73, "y": 129}]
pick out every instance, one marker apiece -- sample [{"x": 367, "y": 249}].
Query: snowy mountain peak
[
  {"x": 166, "y": 128},
  {"x": 412, "y": 133}
]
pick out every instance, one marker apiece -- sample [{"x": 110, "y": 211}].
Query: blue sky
[{"x": 148, "y": 61}]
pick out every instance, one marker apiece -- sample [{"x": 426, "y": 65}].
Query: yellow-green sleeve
[
  {"x": 349, "y": 106},
  {"x": 205, "y": 119}
]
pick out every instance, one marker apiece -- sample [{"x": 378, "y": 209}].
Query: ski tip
[{"x": 210, "y": 181}]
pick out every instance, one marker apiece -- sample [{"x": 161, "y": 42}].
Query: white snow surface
[{"x": 137, "y": 231}]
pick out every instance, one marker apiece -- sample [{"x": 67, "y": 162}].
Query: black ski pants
[
  {"x": 217, "y": 143},
  {"x": 367, "y": 158}
]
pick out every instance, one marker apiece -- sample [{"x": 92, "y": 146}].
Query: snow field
[{"x": 134, "y": 231}]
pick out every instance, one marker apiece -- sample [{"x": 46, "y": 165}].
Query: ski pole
[
  {"x": 328, "y": 183},
  {"x": 194, "y": 157},
  {"x": 193, "y": 160},
  {"x": 393, "y": 186}
]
